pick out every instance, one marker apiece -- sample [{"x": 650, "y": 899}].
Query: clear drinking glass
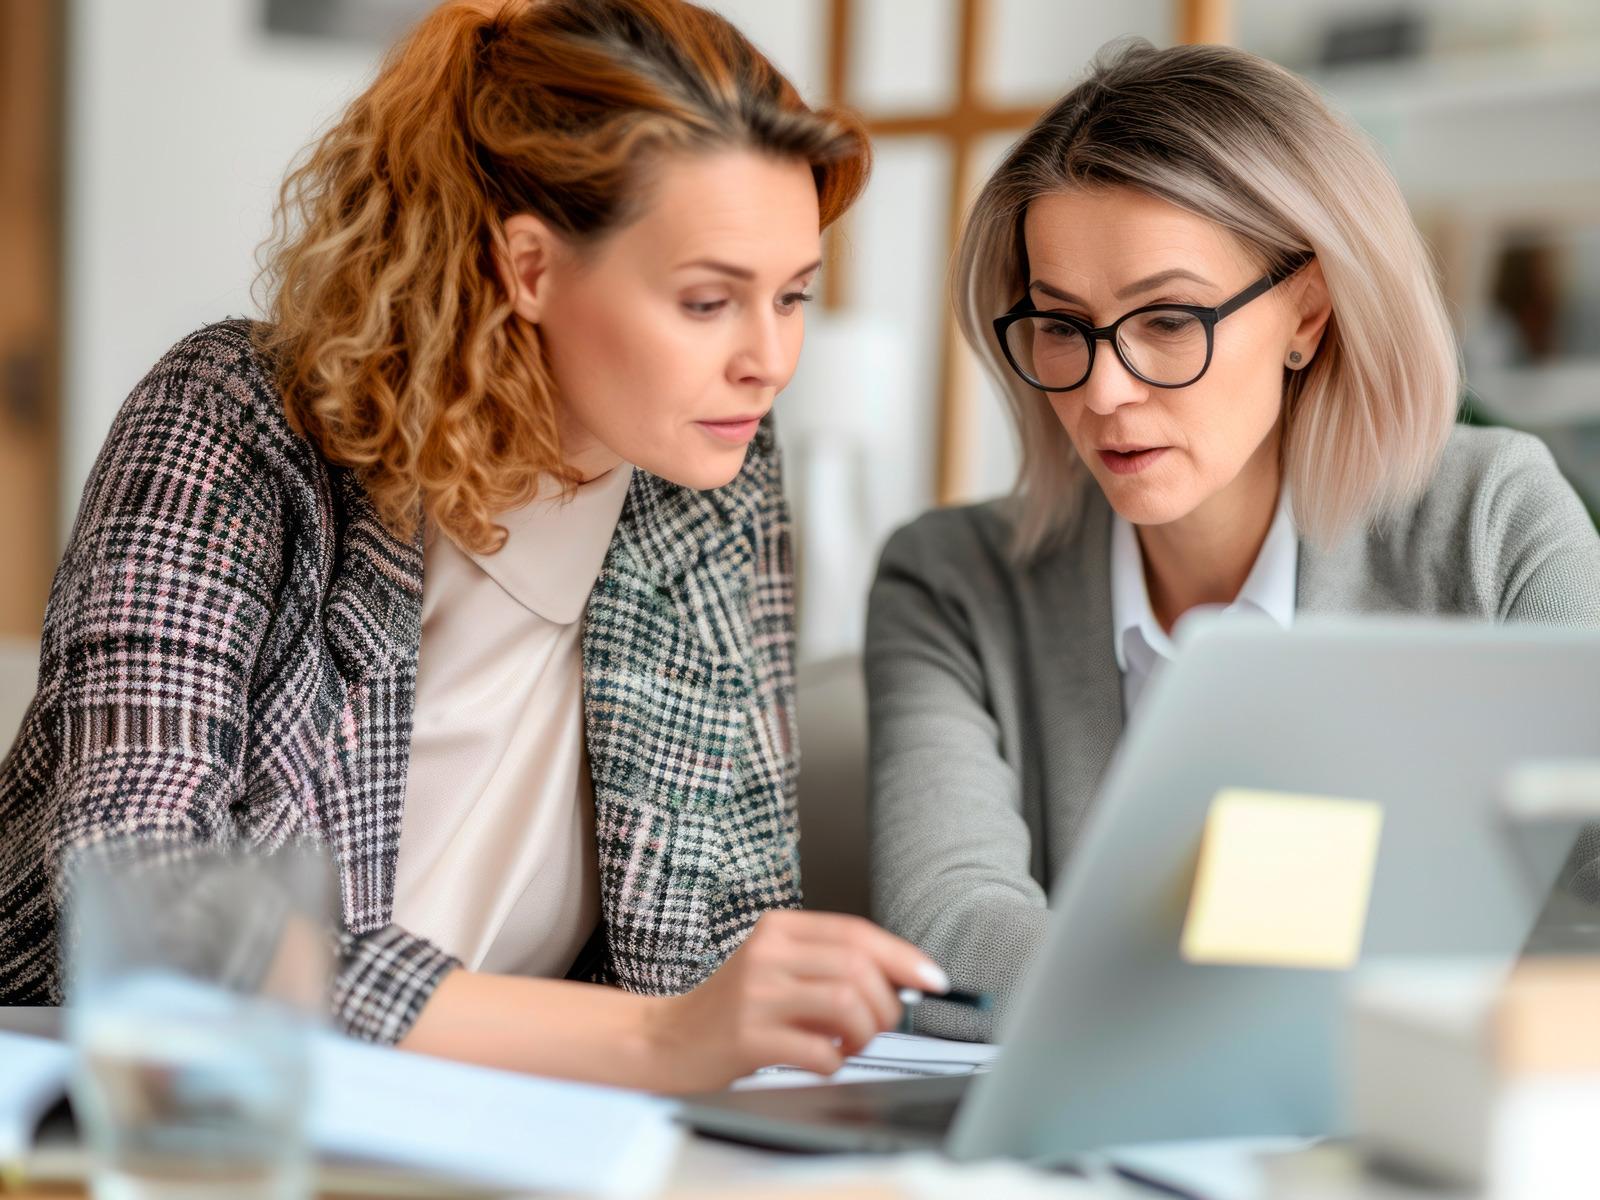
[{"x": 194, "y": 978}]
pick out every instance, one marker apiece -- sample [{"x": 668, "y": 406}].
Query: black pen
[
  {"x": 911, "y": 997},
  {"x": 981, "y": 1001}
]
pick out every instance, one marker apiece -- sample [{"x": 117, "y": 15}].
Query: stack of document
[
  {"x": 385, "y": 1108},
  {"x": 887, "y": 1056},
  {"x": 388, "y": 1107},
  {"x": 1215, "y": 1168},
  {"x": 33, "y": 1077}
]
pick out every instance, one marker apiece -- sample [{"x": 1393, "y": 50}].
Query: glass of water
[{"x": 194, "y": 979}]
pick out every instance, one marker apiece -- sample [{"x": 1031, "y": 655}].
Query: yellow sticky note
[{"x": 1283, "y": 880}]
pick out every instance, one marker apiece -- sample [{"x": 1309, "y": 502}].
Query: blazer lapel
[
  {"x": 373, "y": 620},
  {"x": 668, "y": 689},
  {"x": 666, "y": 621}
]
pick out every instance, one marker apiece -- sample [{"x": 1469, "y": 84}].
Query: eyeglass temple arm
[{"x": 1265, "y": 284}]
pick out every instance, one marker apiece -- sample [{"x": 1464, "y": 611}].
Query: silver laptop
[{"x": 1113, "y": 1037}]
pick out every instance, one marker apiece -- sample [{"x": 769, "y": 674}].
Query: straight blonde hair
[{"x": 1240, "y": 141}]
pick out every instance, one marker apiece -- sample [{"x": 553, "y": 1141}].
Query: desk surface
[
  {"x": 715, "y": 1170},
  {"x": 704, "y": 1167},
  {"x": 710, "y": 1171}
]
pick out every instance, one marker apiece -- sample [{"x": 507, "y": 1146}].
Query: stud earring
[{"x": 1294, "y": 358}]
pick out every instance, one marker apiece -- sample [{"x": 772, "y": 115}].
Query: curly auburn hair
[{"x": 395, "y": 346}]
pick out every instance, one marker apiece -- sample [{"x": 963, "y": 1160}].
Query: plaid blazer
[{"x": 229, "y": 658}]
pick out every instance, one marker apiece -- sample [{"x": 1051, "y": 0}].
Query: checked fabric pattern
[{"x": 229, "y": 659}]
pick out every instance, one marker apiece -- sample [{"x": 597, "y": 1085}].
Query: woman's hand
[{"x": 805, "y": 989}]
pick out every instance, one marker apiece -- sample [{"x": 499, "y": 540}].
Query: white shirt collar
[
  {"x": 1269, "y": 590},
  {"x": 555, "y": 547}
]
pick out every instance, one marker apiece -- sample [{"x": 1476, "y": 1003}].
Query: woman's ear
[
  {"x": 530, "y": 249},
  {"x": 1314, "y": 306}
]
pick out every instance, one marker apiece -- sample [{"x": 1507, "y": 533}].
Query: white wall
[{"x": 182, "y": 118}]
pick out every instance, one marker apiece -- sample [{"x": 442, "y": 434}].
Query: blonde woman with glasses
[{"x": 1235, "y": 387}]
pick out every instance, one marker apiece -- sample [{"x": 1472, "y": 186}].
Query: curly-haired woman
[{"x": 471, "y": 563}]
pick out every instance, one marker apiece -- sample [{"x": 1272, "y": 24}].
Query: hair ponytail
[{"x": 395, "y": 346}]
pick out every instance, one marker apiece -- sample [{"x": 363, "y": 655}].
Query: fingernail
[{"x": 933, "y": 978}]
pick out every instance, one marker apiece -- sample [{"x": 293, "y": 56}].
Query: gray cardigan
[{"x": 996, "y": 701}]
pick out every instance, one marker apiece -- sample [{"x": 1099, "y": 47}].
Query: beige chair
[
  {"x": 833, "y": 785},
  {"x": 19, "y": 667}
]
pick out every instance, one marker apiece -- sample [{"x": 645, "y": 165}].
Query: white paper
[
  {"x": 887, "y": 1056},
  {"x": 496, "y": 1127},
  {"x": 1216, "y": 1168},
  {"x": 33, "y": 1076},
  {"x": 1542, "y": 1141},
  {"x": 374, "y": 1105}
]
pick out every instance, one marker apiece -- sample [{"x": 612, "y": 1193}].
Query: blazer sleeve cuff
[{"x": 384, "y": 979}]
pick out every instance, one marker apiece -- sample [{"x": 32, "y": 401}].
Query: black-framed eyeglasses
[{"x": 1166, "y": 345}]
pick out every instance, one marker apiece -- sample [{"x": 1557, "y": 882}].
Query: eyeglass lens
[{"x": 1165, "y": 346}]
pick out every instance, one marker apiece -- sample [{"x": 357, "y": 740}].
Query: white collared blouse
[
  {"x": 1143, "y": 646},
  {"x": 497, "y": 858}
]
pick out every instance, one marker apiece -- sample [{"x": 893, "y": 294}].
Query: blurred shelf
[
  {"x": 1558, "y": 395},
  {"x": 1560, "y": 404},
  {"x": 1446, "y": 83}
]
